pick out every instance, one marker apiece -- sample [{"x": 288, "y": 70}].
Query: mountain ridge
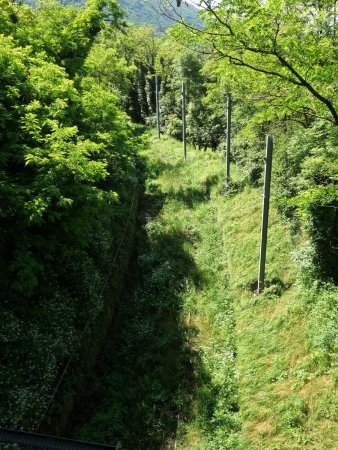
[{"x": 149, "y": 12}]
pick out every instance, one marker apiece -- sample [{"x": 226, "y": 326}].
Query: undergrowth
[{"x": 197, "y": 359}]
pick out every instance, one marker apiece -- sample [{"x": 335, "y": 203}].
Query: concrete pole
[
  {"x": 158, "y": 107},
  {"x": 184, "y": 125},
  {"x": 265, "y": 213},
  {"x": 228, "y": 147}
]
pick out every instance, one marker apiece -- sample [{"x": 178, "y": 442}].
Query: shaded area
[
  {"x": 191, "y": 196},
  {"x": 144, "y": 378},
  {"x": 155, "y": 382},
  {"x": 30, "y": 441}
]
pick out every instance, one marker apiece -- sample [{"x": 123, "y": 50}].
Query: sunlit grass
[
  {"x": 280, "y": 394},
  {"x": 224, "y": 369},
  {"x": 281, "y": 399}
]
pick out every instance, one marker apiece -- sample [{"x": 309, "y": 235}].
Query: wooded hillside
[
  {"x": 158, "y": 14},
  {"x": 150, "y": 12}
]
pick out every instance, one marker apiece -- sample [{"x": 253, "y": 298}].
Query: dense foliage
[
  {"x": 280, "y": 85},
  {"x": 72, "y": 80},
  {"x": 67, "y": 178}
]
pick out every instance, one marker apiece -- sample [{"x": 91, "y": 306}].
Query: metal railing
[{"x": 35, "y": 441}]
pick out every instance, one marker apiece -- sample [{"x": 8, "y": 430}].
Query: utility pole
[
  {"x": 265, "y": 214},
  {"x": 158, "y": 107},
  {"x": 184, "y": 137},
  {"x": 228, "y": 145}
]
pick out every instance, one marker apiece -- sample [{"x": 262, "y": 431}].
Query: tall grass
[{"x": 201, "y": 362}]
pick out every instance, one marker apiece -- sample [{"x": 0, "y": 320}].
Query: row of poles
[{"x": 267, "y": 173}]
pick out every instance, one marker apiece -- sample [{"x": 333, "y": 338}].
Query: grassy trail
[
  {"x": 172, "y": 383},
  {"x": 196, "y": 361}
]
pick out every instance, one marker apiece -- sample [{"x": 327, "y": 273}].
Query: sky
[
  {"x": 192, "y": 2},
  {"x": 196, "y": 2}
]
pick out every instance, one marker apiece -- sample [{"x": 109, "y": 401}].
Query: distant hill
[{"x": 149, "y": 12}]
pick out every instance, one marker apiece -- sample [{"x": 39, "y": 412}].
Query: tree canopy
[{"x": 291, "y": 46}]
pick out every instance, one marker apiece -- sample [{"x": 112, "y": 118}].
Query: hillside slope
[
  {"x": 203, "y": 362},
  {"x": 150, "y": 12}
]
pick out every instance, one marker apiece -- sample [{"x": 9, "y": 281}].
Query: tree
[
  {"x": 67, "y": 173},
  {"x": 291, "y": 46}
]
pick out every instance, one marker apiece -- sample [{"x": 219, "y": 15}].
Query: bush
[
  {"x": 308, "y": 183},
  {"x": 67, "y": 173}
]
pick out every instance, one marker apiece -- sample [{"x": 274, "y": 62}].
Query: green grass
[
  {"x": 207, "y": 307},
  {"x": 286, "y": 385},
  {"x": 200, "y": 361}
]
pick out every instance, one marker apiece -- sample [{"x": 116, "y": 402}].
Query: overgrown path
[
  {"x": 178, "y": 372},
  {"x": 170, "y": 384}
]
